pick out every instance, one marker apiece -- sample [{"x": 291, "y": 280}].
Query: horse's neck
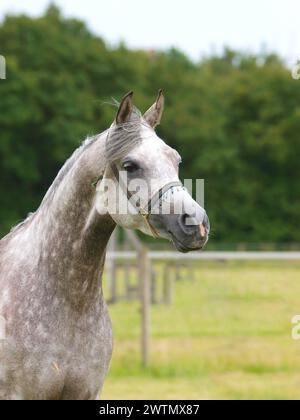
[{"x": 69, "y": 233}]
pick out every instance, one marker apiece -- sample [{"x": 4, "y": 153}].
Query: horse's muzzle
[{"x": 186, "y": 233}]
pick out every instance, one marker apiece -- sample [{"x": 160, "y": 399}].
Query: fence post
[
  {"x": 145, "y": 276},
  {"x": 153, "y": 286}
]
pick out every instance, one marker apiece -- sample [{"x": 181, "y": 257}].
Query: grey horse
[{"x": 56, "y": 341}]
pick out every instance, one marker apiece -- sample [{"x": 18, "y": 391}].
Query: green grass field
[{"x": 227, "y": 336}]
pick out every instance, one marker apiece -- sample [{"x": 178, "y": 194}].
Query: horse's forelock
[{"x": 122, "y": 138}]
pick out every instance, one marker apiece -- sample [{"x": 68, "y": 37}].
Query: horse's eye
[{"x": 130, "y": 167}]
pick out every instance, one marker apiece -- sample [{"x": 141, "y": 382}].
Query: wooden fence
[{"x": 138, "y": 264}]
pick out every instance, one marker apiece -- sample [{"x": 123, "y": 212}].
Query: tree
[{"x": 234, "y": 118}]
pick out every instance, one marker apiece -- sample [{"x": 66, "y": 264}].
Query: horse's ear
[
  {"x": 154, "y": 114},
  {"x": 125, "y": 109}
]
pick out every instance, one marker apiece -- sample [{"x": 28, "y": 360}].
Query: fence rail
[
  {"x": 208, "y": 255},
  {"x": 137, "y": 259}
]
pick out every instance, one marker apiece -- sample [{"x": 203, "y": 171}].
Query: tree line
[{"x": 234, "y": 118}]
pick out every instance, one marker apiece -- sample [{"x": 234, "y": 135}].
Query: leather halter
[{"x": 145, "y": 212}]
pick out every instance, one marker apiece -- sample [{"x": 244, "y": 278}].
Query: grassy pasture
[{"x": 227, "y": 336}]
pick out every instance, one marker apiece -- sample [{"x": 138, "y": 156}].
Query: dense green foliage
[{"x": 234, "y": 118}]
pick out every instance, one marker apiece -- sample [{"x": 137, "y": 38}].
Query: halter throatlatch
[{"x": 157, "y": 197}]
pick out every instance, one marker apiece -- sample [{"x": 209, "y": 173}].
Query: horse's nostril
[
  {"x": 190, "y": 226},
  {"x": 183, "y": 220}
]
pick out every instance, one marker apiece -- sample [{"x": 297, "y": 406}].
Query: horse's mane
[
  {"x": 120, "y": 139},
  {"x": 60, "y": 176}
]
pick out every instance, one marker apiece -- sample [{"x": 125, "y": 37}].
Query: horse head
[{"x": 140, "y": 187}]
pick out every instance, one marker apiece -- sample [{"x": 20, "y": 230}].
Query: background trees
[{"x": 234, "y": 118}]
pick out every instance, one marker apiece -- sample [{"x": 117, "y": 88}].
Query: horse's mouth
[
  {"x": 181, "y": 247},
  {"x": 185, "y": 237}
]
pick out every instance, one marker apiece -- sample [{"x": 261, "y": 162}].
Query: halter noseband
[{"x": 145, "y": 212}]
